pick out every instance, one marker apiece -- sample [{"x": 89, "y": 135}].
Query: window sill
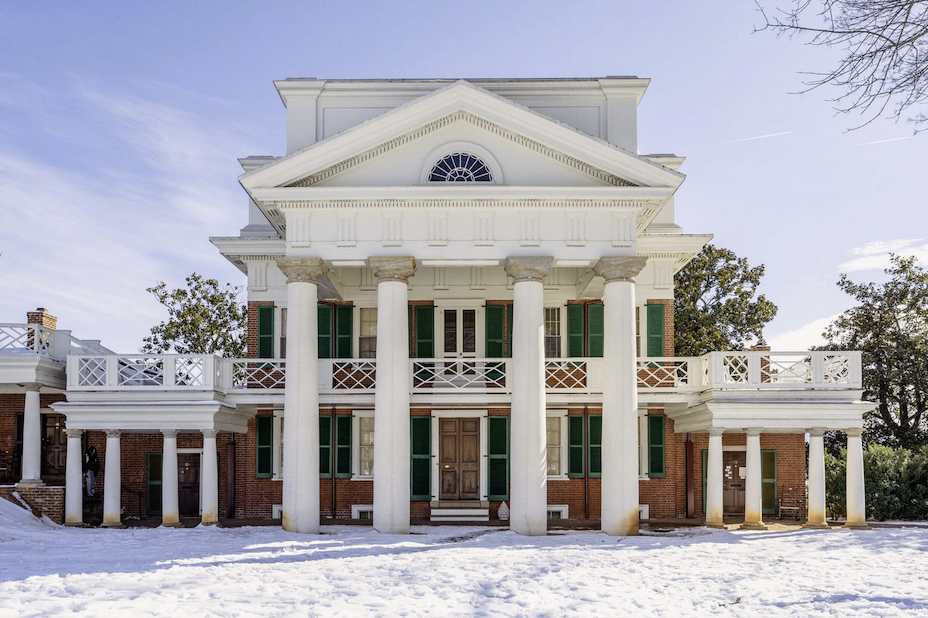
[
  {"x": 559, "y": 477},
  {"x": 362, "y": 478}
]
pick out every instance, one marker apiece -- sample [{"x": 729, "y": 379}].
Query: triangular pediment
[{"x": 461, "y": 104}]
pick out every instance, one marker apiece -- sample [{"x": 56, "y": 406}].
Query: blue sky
[{"x": 120, "y": 125}]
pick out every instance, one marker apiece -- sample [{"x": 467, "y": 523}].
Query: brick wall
[
  {"x": 48, "y": 501},
  {"x": 42, "y": 317}
]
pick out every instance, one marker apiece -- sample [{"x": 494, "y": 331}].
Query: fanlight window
[{"x": 460, "y": 167}]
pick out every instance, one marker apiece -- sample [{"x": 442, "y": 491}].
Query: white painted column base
[
  {"x": 714, "y": 505},
  {"x": 816, "y": 519},
  {"x": 74, "y": 480},
  {"x": 856, "y": 498},
  {"x": 112, "y": 482},
  {"x": 753, "y": 494},
  {"x": 32, "y": 440},
  {"x": 170, "y": 510},
  {"x": 210, "y": 482}
]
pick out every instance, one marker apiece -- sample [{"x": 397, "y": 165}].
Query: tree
[
  {"x": 204, "y": 318},
  {"x": 890, "y": 326},
  {"x": 883, "y": 64},
  {"x": 715, "y": 303}
]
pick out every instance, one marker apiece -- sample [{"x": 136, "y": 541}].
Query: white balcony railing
[
  {"x": 716, "y": 370},
  {"x": 16, "y": 339}
]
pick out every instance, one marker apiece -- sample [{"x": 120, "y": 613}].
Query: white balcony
[{"x": 30, "y": 353}]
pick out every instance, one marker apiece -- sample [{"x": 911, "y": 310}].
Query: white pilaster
[
  {"x": 32, "y": 439},
  {"x": 714, "y": 480},
  {"x": 112, "y": 482},
  {"x": 210, "y": 481},
  {"x": 620, "y": 396},
  {"x": 391, "y": 395},
  {"x": 753, "y": 493},
  {"x": 170, "y": 511},
  {"x": 74, "y": 480},
  {"x": 301, "y": 396},
  {"x": 816, "y": 480},
  {"x": 528, "y": 487},
  {"x": 856, "y": 499}
]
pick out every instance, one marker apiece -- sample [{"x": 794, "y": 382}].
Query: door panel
[
  {"x": 54, "y": 446},
  {"x": 459, "y": 458},
  {"x": 448, "y": 459},
  {"x": 732, "y": 481},
  {"x": 188, "y": 484},
  {"x": 470, "y": 459}
]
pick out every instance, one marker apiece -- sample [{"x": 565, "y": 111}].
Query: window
[
  {"x": 366, "y": 446},
  {"x": 283, "y": 333},
  {"x": 553, "y": 432},
  {"x": 367, "y": 339},
  {"x": 460, "y": 167},
  {"x": 552, "y": 332},
  {"x": 280, "y": 442}
]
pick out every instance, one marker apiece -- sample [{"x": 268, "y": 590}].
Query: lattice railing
[
  {"x": 566, "y": 375},
  {"x": 669, "y": 372},
  {"x": 25, "y": 339},
  {"x": 763, "y": 369},
  {"x": 255, "y": 374},
  {"x": 477, "y": 374},
  {"x": 354, "y": 375}
]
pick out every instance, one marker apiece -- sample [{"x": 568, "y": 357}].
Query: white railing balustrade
[
  {"x": 714, "y": 371},
  {"x": 25, "y": 339}
]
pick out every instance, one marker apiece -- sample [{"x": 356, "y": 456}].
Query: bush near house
[{"x": 896, "y": 483}]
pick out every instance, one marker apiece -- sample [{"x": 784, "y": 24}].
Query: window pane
[
  {"x": 451, "y": 330},
  {"x": 553, "y": 432},
  {"x": 554, "y": 461},
  {"x": 552, "y": 332},
  {"x": 470, "y": 330},
  {"x": 369, "y": 322},
  {"x": 366, "y": 448},
  {"x": 283, "y": 333},
  {"x": 367, "y": 347}
]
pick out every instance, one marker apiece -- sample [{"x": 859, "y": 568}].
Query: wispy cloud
[
  {"x": 875, "y": 255},
  {"x": 748, "y": 139},
  {"x": 883, "y": 141},
  {"x": 802, "y": 338}
]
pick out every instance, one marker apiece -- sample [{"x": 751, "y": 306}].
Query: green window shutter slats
[
  {"x": 656, "y": 468},
  {"x": 705, "y": 463},
  {"x": 266, "y": 331},
  {"x": 596, "y": 446},
  {"x": 768, "y": 468},
  {"x": 264, "y": 458},
  {"x": 498, "y": 458},
  {"x": 495, "y": 331},
  {"x": 343, "y": 446},
  {"x": 324, "y": 330},
  {"x": 655, "y": 330},
  {"x": 154, "y": 483},
  {"x": 425, "y": 331},
  {"x": 595, "y": 325},
  {"x": 325, "y": 447},
  {"x": 575, "y": 331},
  {"x": 344, "y": 327},
  {"x": 509, "y": 330},
  {"x": 420, "y": 468},
  {"x": 575, "y": 446}
]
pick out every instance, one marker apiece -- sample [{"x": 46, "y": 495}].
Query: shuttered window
[
  {"x": 344, "y": 331},
  {"x": 655, "y": 330},
  {"x": 498, "y": 457},
  {"x": 495, "y": 331},
  {"x": 324, "y": 329},
  {"x": 425, "y": 331},
  {"x": 595, "y": 324},
  {"x": 575, "y": 467},
  {"x": 154, "y": 484},
  {"x": 768, "y": 469},
  {"x": 264, "y": 457},
  {"x": 576, "y": 331},
  {"x": 656, "y": 446},
  {"x": 266, "y": 331},
  {"x": 343, "y": 446},
  {"x": 325, "y": 447},
  {"x": 585, "y": 330},
  {"x": 596, "y": 446},
  {"x": 420, "y": 468},
  {"x": 509, "y": 330}
]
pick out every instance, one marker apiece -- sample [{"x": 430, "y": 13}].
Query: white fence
[
  {"x": 717, "y": 370},
  {"x": 36, "y": 339}
]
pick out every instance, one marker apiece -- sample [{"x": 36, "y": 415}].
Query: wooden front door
[
  {"x": 459, "y": 458},
  {"x": 188, "y": 484},
  {"x": 54, "y": 447},
  {"x": 733, "y": 481}
]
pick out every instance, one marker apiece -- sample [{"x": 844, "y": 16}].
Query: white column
[
  {"x": 816, "y": 480},
  {"x": 32, "y": 439},
  {"x": 170, "y": 512},
  {"x": 210, "y": 480},
  {"x": 620, "y": 396},
  {"x": 74, "y": 480},
  {"x": 528, "y": 486},
  {"x": 112, "y": 482},
  {"x": 301, "y": 396},
  {"x": 391, "y": 395},
  {"x": 714, "y": 480},
  {"x": 856, "y": 500},
  {"x": 753, "y": 493}
]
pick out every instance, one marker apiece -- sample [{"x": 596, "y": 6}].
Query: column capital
[
  {"x": 74, "y": 433},
  {"x": 619, "y": 268},
  {"x": 392, "y": 268},
  {"x": 816, "y": 432},
  {"x": 209, "y": 433},
  {"x": 752, "y": 431},
  {"x": 715, "y": 431},
  {"x": 533, "y": 268},
  {"x": 113, "y": 433},
  {"x": 169, "y": 433},
  {"x": 302, "y": 269},
  {"x": 32, "y": 387},
  {"x": 856, "y": 432}
]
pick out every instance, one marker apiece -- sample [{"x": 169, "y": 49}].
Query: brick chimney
[{"x": 42, "y": 317}]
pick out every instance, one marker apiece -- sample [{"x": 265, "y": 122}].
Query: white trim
[
  {"x": 482, "y": 415},
  {"x": 459, "y": 304},
  {"x": 559, "y": 507},
  {"x": 643, "y": 445},
  {"x": 644, "y": 512},
  {"x": 565, "y": 444},
  {"x": 276, "y": 441},
  {"x": 736, "y": 448},
  {"x": 357, "y": 508},
  {"x": 356, "y": 445},
  {"x": 466, "y": 147},
  {"x": 277, "y": 511}
]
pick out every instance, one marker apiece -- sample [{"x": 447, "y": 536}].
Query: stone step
[{"x": 460, "y": 514}]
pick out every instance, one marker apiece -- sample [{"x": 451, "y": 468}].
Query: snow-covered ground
[{"x": 47, "y": 570}]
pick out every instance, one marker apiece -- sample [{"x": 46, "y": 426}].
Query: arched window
[{"x": 460, "y": 167}]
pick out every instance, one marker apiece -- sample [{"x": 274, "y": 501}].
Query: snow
[{"x": 456, "y": 571}]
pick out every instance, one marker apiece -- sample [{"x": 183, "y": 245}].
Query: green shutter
[
  {"x": 655, "y": 330},
  {"x": 420, "y": 467},
  {"x": 344, "y": 326},
  {"x": 595, "y": 324},
  {"x": 656, "y": 446},
  {"x": 264, "y": 458},
  {"x": 575, "y": 447},
  {"x": 266, "y": 331},
  {"x": 324, "y": 330},
  {"x": 325, "y": 447},
  {"x": 768, "y": 467},
  {"x": 596, "y": 446},
  {"x": 154, "y": 484},
  {"x": 495, "y": 331},
  {"x": 498, "y": 457},
  {"x": 425, "y": 327},
  {"x": 343, "y": 446},
  {"x": 509, "y": 330},
  {"x": 705, "y": 463},
  {"x": 575, "y": 331}
]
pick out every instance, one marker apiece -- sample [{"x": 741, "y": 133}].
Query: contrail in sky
[
  {"x": 748, "y": 139},
  {"x": 883, "y": 141}
]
